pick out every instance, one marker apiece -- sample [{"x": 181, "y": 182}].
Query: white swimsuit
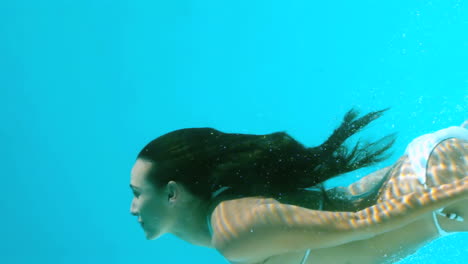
[{"x": 418, "y": 152}]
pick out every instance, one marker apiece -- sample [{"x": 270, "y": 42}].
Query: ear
[{"x": 173, "y": 191}]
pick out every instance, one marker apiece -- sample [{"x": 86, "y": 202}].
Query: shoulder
[
  {"x": 254, "y": 229},
  {"x": 233, "y": 220},
  {"x": 234, "y": 215}
]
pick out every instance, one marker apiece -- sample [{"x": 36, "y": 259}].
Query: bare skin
[
  {"x": 386, "y": 247},
  {"x": 403, "y": 210}
]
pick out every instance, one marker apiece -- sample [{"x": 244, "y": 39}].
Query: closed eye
[{"x": 135, "y": 193}]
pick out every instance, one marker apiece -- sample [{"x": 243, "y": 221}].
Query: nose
[{"x": 133, "y": 208}]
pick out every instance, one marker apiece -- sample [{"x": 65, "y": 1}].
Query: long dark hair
[{"x": 205, "y": 159}]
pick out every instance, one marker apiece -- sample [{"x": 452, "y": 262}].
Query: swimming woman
[{"x": 260, "y": 198}]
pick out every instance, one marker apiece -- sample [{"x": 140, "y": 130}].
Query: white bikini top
[
  {"x": 418, "y": 152},
  {"x": 420, "y": 149}
]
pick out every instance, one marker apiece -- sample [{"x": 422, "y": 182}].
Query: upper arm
[{"x": 252, "y": 230}]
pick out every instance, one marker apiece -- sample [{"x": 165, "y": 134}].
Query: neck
[{"x": 192, "y": 225}]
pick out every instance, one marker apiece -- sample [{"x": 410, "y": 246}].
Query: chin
[{"x": 152, "y": 235}]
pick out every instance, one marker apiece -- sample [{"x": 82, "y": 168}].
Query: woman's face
[{"x": 150, "y": 205}]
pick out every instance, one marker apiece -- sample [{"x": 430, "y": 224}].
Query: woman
[{"x": 260, "y": 198}]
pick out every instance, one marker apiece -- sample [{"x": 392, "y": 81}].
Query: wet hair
[{"x": 205, "y": 159}]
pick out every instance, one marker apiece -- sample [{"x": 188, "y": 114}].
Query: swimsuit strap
[
  {"x": 214, "y": 195},
  {"x": 450, "y": 216},
  {"x": 441, "y": 231},
  {"x": 306, "y": 255}
]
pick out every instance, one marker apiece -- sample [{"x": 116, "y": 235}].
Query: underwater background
[{"x": 84, "y": 85}]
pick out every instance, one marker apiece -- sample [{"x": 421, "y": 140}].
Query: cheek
[{"x": 152, "y": 212}]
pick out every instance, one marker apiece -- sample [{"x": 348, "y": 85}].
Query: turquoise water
[{"x": 86, "y": 84}]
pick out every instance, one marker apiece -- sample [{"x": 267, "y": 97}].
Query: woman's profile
[{"x": 261, "y": 198}]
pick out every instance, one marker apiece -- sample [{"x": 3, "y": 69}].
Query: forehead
[{"x": 139, "y": 172}]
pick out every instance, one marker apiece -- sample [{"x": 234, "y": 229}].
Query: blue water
[{"x": 85, "y": 84}]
